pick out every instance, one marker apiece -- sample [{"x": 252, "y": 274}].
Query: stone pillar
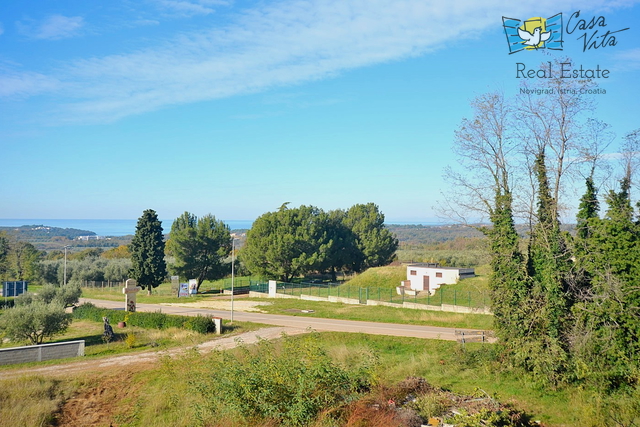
[
  {"x": 273, "y": 288},
  {"x": 218, "y": 322},
  {"x": 130, "y": 290}
]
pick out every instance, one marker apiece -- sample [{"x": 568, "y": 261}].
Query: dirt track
[{"x": 147, "y": 357}]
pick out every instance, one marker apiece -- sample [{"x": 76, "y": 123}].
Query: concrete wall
[
  {"x": 406, "y": 304},
  {"x": 42, "y": 352}
]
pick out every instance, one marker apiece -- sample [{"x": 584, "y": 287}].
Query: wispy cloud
[
  {"x": 190, "y": 8},
  {"x": 25, "y": 84},
  {"x": 54, "y": 27},
  {"x": 628, "y": 60},
  {"x": 283, "y": 43}
]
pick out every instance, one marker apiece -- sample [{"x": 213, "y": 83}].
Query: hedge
[{"x": 155, "y": 320}]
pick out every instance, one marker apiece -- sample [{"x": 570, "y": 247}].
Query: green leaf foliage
[
  {"x": 155, "y": 320},
  {"x": 200, "y": 247},
  {"x": 295, "y": 241},
  {"x": 286, "y": 384},
  {"x": 147, "y": 252},
  {"x": 35, "y": 321}
]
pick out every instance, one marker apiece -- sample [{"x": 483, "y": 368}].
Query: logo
[{"x": 534, "y": 33}]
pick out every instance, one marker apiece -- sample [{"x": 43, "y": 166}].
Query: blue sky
[{"x": 235, "y": 107}]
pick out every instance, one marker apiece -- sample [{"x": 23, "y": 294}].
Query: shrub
[
  {"x": 155, "y": 320},
  {"x": 35, "y": 322},
  {"x": 285, "y": 385}
]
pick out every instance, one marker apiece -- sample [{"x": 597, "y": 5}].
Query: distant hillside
[
  {"x": 434, "y": 234},
  {"x": 431, "y": 234},
  {"x": 43, "y": 232}
]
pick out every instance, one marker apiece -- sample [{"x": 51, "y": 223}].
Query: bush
[
  {"x": 67, "y": 296},
  {"x": 288, "y": 385},
  {"x": 34, "y": 322},
  {"x": 156, "y": 320}
]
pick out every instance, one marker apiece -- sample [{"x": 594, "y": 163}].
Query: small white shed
[{"x": 430, "y": 276}]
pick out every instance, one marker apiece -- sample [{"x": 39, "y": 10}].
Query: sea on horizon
[
  {"x": 124, "y": 227},
  {"x": 107, "y": 227}
]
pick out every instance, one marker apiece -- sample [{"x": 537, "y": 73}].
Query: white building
[{"x": 430, "y": 276}]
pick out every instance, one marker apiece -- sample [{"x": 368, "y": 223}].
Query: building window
[
  {"x": 412, "y": 272},
  {"x": 438, "y": 274}
]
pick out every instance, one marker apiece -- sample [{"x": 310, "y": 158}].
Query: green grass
[
  {"x": 379, "y": 277},
  {"x": 164, "y": 293},
  {"x": 143, "y": 339},
  {"x": 381, "y": 314},
  {"x": 444, "y": 364},
  {"x": 380, "y": 284}
]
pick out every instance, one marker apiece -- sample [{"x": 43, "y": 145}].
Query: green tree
[
  {"x": 120, "y": 252},
  {"x": 376, "y": 244},
  {"x": 23, "y": 259},
  {"x": 200, "y": 247},
  {"x": 4, "y": 251},
  {"x": 147, "y": 252},
  {"x": 35, "y": 322},
  {"x": 66, "y": 296},
  {"x": 283, "y": 244},
  {"x": 337, "y": 243},
  {"x": 605, "y": 338}
]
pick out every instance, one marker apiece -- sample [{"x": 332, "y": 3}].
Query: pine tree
[
  {"x": 200, "y": 247},
  {"x": 147, "y": 252}
]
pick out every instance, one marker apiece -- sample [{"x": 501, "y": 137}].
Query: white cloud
[
  {"x": 54, "y": 27},
  {"x": 628, "y": 60},
  {"x": 25, "y": 84},
  {"x": 190, "y": 8},
  {"x": 284, "y": 43}
]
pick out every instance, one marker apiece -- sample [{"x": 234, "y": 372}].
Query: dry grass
[{"x": 32, "y": 401}]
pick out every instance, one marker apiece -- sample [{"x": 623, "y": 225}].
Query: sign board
[
  {"x": 193, "y": 286},
  {"x": 175, "y": 284},
  {"x": 13, "y": 289},
  {"x": 184, "y": 290}
]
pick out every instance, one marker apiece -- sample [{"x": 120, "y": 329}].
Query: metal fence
[
  {"x": 442, "y": 296},
  {"x": 102, "y": 284}
]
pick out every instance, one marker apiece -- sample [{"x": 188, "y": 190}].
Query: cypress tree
[{"x": 147, "y": 252}]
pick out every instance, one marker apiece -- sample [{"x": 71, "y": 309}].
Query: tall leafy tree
[
  {"x": 4, "y": 251},
  {"x": 200, "y": 247},
  {"x": 147, "y": 252},
  {"x": 283, "y": 244},
  {"x": 377, "y": 245},
  {"x": 22, "y": 261},
  {"x": 337, "y": 244}
]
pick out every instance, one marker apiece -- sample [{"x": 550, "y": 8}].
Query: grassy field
[
  {"x": 381, "y": 314},
  {"x": 164, "y": 395}
]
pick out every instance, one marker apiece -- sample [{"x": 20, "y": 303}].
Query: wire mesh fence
[{"x": 442, "y": 296}]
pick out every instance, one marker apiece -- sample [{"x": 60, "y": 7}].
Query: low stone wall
[
  {"x": 42, "y": 352},
  {"x": 343, "y": 300},
  {"x": 415, "y": 306},
  {"x": 386, "y": 304},
  {"x": 254, "y": 294}
]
